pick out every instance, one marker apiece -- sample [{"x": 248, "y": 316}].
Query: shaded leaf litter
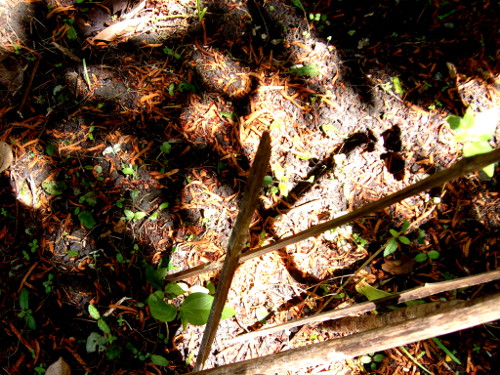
[{"x": 131, "y": 154}]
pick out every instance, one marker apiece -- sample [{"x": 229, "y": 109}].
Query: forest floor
[{"x": 134, "y": 124}]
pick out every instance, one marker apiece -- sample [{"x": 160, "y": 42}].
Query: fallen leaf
[
  {"x": 120, "y": 28},
  {"x": 59, "y": 367},
  {"x": 6, "y": 156},
  {"x": 399, "y": 266}
]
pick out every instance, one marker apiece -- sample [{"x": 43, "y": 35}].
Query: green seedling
[
  {"x": 397, "y": 237},
  {"x": 129, "y": 170},
  {"x": 33, "y": 245},
  {"x": 201, "y": 10},
  {"x": 431, "y": 255},
  {"x": 49, "y": 284},
  {"x": 97, "y": 342},
  {"x": 134, "y": 216},
  {"x": 474, "y": 130},
  {"x": 26, "y": 313},
  {"x": 86, "y": 219},
  {"x": 155, "y": 214},
  {"x": 193, "y": 310},
  {"x": 171, "y": 52},
  {"x": 372, "y": 360}
]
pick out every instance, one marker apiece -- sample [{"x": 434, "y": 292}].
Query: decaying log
[
  {"x": 450, "y": 318},
  {"x": 461, "y": 168}
]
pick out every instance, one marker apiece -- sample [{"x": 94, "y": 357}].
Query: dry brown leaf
[
  {"x": 6, "y": 156},
  {"x": 120, "y": 28},
  {"x": 59, "y": 367},
  {"x": 399, "y": 266}
]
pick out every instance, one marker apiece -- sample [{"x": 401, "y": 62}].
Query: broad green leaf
[
  {"x": 87, "y": 219},
  {"x": 211, "y": 288},
  {"x": 159, "y": 360},
  {"x": 24, "y": 299},
  {"x": 103, "y": 326},
  {"x": 95, "y": 343},
  {"x": 421, "y": 257},
  {"x": 454, "y": 121},
  {"x": 268, "y": 181},
  {"x": 139, "y": 215},
  {"x": 94, "y": 313},
  {"x": 113, "y": 352},
  {"x": 159, "y": 309},
  {"x": 486, "y": 123},
  {"x": 175, "y": 289},
  {"x": 476, "y": 148},
  {"x": 30, "y": 322},
  {"x": 129, "y": 214},
  {"x": 391, "y": 247},
  {"x": 433, "y": 254},
  {"x": 283, "y": 189},
  {"x": 398, "y": 88},
  {"x": 394, "y": 233},
  {"x": 329, "y": 129},
  {"x": 163, "y": 206},
  {"x": 369, "y": 291},
  {"x": 50, "y": 149},
  {"x": 165, "y": 147},
  {"x": 196, "y": 308},
  {"x": 404, "y": 240},
  {"x": 128, "y": 171},
  {"x": 405, "y": 226}
]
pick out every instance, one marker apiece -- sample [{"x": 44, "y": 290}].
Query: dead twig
[
  {"x": 452, "y": 317},
  {"x": 406, "y": 296},
  {"x": 237, "y": 241}
]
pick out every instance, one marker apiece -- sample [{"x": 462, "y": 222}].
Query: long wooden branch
[
  {"x": 406, "y": 296},
  {"x": 451, "y": 318},
  {"x": 461, "y": 168},
  {"x": 237, "y": 241}
]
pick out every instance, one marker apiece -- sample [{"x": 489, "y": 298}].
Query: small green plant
[
  {"x": 33, "y": 245},
  {"x": 422, "y": 257},
  {"x": 397, "y": 238},
  {"x": 129, "y": 170},
  {"x": 97, "y": 342},
  {"x": 372, "y": 360},
  {"x": 474, "y": 130},
  {"x": 49, "y": 284},
  {"x": 193, "y": 310},
  {"x": 86, "y": 219},
  {"x": 171, "y": 52},
  {"x": 26, "y": 312},
  {"x": 90, "y": 134},
  {"x": 70, "y": 29},
  {"x": 201, "y": 10},
  {"x": 165, "y": 148},
  {"x": 134, "y": 216}
]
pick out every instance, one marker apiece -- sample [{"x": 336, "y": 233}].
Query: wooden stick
[
  {"x": 452, "y": 317},
  {"x": 239, "y": 237},
  {"x": 462, "y": 167},
  {"x": 406, "y": 296}
]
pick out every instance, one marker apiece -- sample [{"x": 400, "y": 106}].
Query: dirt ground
[{"x": 133, "y": 127}]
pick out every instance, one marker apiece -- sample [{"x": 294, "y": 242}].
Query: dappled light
[{"x": 128, "y": 133}]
